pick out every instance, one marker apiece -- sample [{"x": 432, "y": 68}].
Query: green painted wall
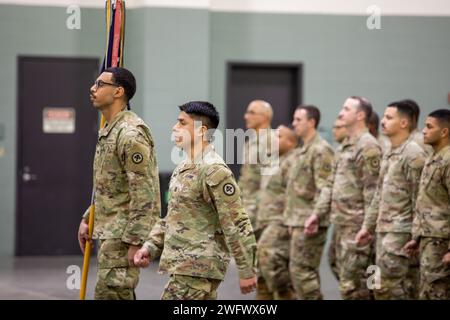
[
  {"x": 179, "y": 55},
  {"x": 408, "y": 57},
  {"x": 168, "y": 49},
  {"x": 41, "y": 32}
]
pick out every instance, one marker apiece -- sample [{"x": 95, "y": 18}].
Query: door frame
[
  {"x": 298, "y": 66},
  {"x": 19, "y": 139}
]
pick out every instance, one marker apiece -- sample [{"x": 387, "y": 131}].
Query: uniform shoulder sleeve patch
[
  {"x": 216, "y": 174},
  {"x": 371, "y": 152},
  {"x": 226, "y": 191},
  {"x": 136, "y": 156}
]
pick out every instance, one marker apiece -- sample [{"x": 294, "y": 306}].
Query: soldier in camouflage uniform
[
  {"x": 307, "y": 178},
  {"x": 431, "y": 225},
  {"x": 392, "y": 209},
  {"x": 339, "y": 135},
  {"x": 416, "y": 135},
  {"x": 274, "y": 281},
  {"x": 127, "y": 197},
  {"x": 257, "y": 119},
  {"x": 347, "y": 196},
  {"x": 205, "y": 220}
]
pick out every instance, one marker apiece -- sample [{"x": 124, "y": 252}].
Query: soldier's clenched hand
[
  {"x": 142, "y": 258},
  {"x": 411, "y": 247},
  {"x": 247, "y": 285},
  {"x": 312, "y": 225},
  {"x": 83, "y": 235},
  {"x": 131, "y": 252},
  {"x": 363, "y": 237},
  {"x": 446, "y": 259}
]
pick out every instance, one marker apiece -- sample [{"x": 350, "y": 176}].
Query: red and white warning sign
[{"x": 58, "y": 120}]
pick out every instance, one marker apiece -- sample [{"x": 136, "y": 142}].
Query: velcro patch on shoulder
[
  {"x": 137, "y": 157},
  {"x": 371, "y": 152},
  {"x": 216, "y": 174}
]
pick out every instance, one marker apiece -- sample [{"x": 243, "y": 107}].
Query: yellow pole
[
  {"x": 87, "y": 248},
  {"x": 87, "y": 253}
]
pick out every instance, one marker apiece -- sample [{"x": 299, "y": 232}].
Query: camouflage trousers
[
  {"x": 332, "y": 260},
  {"x": 274, "y": 282},
  {"x": 353, "y": 262},
  {"x": 116, "y": 280},
  {"x": 305, "y": 254},
  {"x": 181, "y": 287},
  {"x": 399, "y": 273},
  {"x": 434, "y": 275}
]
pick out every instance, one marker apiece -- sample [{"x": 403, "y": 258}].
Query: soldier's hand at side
[
  {"x": 446, "y": 259},
  {"x": 363, "y": 237},
  {"x": 131, "y": 252},
  {"x": 247, "y": 285},
  {"x": 312, "y": 225},
  {"x": 411, "y": 247},
  {"x": 142, "y": 258},
  {"x": 83, "y": 235}
]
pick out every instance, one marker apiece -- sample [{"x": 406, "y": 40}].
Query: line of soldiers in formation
[
  {"x": 387, "y": 199},
  {"x": 400, "y": 199}
]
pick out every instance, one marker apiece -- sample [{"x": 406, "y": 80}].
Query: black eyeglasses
[{"x": 101, "y": 83}]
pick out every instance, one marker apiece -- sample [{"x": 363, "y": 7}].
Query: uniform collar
[
  {"x": 354, "y": 140},
  {"x": 306, "y": 146},
  {"x": 108, "y": 127},
  {"x": 439, "y": 155},
  {"x": 400, "y": 148},
  {"x": 207, "y": 156}
]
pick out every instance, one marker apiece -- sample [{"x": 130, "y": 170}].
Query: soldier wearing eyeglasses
[{"x": 126, "y": 186}]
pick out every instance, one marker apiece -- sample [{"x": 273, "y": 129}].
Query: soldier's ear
[
  {"x": 404, "y": 123},
  {"x": 444, "y": 132},
  {"x": 120, "y": 92}
]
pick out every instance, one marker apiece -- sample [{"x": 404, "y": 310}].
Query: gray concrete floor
[{"x": 40, "y": 278}]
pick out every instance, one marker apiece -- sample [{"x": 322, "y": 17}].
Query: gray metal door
[
  {"x": 278, "y": 84},
  {"x": 57, "y": 130}
]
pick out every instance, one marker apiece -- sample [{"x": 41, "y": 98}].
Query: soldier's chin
[{"x": 178, "y": 142}]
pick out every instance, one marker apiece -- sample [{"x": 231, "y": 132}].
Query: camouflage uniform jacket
[
  {"x": 127, "y": 197},
  {"x": 252, "y": 176},
  {"x": 272, "y": 199},
  {"x": 351, "y": 186},
  {"x": 433, "y": 202},
  {"x": 306, "y": 180},
  {"x": 392, "y": 207},
  {"x": 205, "y": 222}
]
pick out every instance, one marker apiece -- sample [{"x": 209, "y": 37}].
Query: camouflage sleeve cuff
[
  {"x": 323, "y": 217},
  {"x": 152, "y": 249},
  {"x": 247, "y": 273},
  {"x": 416, "y": 238},
  {"x": 86, "y": 213},
  {"x": 132, "y": 240},
  {"x": 369, "y": 227}
]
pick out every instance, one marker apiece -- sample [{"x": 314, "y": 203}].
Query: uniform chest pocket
[
  {"x": 347, "y": 163},
  {"x": 106, "y": 159},
  {"x": 435, "y": 186}
]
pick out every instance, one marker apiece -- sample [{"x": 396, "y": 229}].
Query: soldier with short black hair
[
  {"x": 431, "y": 225},
  {"x": 126, "y": 186},
  {"x": 206, "y": 220},
  {"x": 392, "y": 209}
]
